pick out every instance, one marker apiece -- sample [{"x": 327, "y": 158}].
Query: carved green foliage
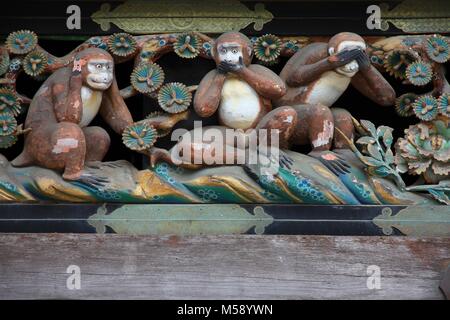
[
  {"x": 404, "y": 104},
  {"x": 122, "y": 44},
  {"x": 9, "y": 102},
  {"x": 444, "y": 104},
  {"x": 438, "y": 48},
  {"x": 419, "y": 73},
  {"x": 187, "y": 46},
  {"x": 426, "y": 107},
  {"x": 21, "y": 42},
  {"x": 267, "y": 48},
  {"x": 147, "y": 77},
  {"x": 397, "y": 61},
  {"x": 425, "y": 149},
  {"x": 4, "y": 60},
  {"x": 139, "y": 136},
  {"x": 376, "y": 151},
  {"x": 35, "y": 63},
  {"x": 8, "y": 124},
  {"x": 174, "y": 97},
  {"x": 7, "y": 141}
]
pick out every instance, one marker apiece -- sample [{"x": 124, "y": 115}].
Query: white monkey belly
[
  {"x": 240, "y": 105},
  {"x": 91, "y": 105},
  {"x": 328, "y": 88}
]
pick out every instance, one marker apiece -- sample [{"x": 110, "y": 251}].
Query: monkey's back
[{"x": 42, "y": 111}]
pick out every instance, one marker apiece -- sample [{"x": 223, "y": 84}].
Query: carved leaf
[
  {"x": 389, "y": 156},
  {"x": 365, "y": 140},
  {"x": 370, "y": 127},
  {"x": 383, "y": 171},
  {"x": 374, "y": 151}
]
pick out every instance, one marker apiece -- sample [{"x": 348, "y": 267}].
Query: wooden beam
[{"x": 220, "y": 267}]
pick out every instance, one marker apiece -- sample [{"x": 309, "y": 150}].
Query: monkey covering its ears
[{"x": 62, "y": 109}]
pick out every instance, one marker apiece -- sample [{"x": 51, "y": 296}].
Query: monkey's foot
[{"x": 72, "y": 176}]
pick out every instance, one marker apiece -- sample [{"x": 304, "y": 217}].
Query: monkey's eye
[
  {"x": 223, "y": 50},
  {"x": 98, "y": 66},
  {"x": 234, "y": 51}
]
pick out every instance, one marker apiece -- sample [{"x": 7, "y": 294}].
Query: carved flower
[
  {"x": 444, "y": 104},
  {"x": 8, "y": 124},
  {"x": 98, "y": 42},
  {"x": 4, "y": 60},
  {"x": 34, "y": 63},
  {"x": 404, "y": 104},
  {"x": 187, "y": 46},
  {"x": 426, "y": 107},
  {"x": 267, "y": 48},
  {"x": 437, "y": 48},
  {"x": 7, "y": 141},
  {"x": 174, "y": 97},
  {"x": 419, "y": 73},
  {"x": 21, "y": 42},
  {"x": 147, "y": 77},
  {"x": 139, "y": 136},
  {"x": 425, "y": 150},
  {"x": 122, "y": 44},
  {"x": 397, "y": 61},
  {"x": 9, "y": 102}
]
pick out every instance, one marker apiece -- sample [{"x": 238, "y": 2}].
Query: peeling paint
[
  {"x": 325, "y": 136},
  {"x": 288, "y": 119},
  {"x": 64, "y": 145}
]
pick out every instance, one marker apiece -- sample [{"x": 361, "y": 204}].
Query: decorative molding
[
  {"x": 160, "y": 16},
  {"x": 416, "y": 221},
  {"x": 417, "y": 16}
]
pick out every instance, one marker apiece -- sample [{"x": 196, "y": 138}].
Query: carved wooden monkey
[
  {"x": 317, "y": 76},
  {"x": 241, "y": 93},
  {"x": 62, "y": 109}
]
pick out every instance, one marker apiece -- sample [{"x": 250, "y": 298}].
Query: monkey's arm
[
  {"x": 265, "y": 82},
  {"x": 207, "y": 97},
  {"x": 311, "y": 62},
  {"x": 371, "y": 83},
  {"x": 67, "y": 98},
  {"x": 114, "y": 110}
]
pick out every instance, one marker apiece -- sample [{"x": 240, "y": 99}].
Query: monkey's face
[
  {"x": 98, "y": 73},
  {"x": 351, "y": 68},
  {"x": 229, "y": 52}
]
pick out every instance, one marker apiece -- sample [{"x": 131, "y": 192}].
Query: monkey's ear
[
  {"x": 213, "y": 49},
  {"x": 331, "y": 51},
  {"x": 250, "y": 51}
]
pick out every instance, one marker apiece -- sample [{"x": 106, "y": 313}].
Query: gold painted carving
[
  {"x": 162, "y": 16},
  {"x": 417, "y": 16}
]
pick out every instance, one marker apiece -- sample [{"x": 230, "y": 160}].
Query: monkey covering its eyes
[
  {"x": 317, "y": 75},
  {"x": 62, "y": 109}
]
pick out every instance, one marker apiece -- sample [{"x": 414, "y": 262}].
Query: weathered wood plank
[{"x": 220, "y": 267}]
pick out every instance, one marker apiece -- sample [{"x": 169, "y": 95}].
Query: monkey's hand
[
  {"x": 332, "y": 161},
  {"x": 342, "y": 58},
  {"x": 363, "y": 61},
  {"x": 77, "y": 65},
  {"x": 225, "y": 67}
]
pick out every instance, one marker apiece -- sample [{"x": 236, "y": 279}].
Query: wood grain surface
[{"x": 220, "y": 267}]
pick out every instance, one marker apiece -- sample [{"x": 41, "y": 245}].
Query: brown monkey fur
[
  {"x": 57, "y": 140},
  {"x": 317, "y": 75}
]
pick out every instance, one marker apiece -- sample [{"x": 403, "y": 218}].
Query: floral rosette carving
[
  {"x": 21, "y": 42},
  {"x": 425, "y": 150},
  {"x": 187, "y": 46},
  {"x": 438, "y": 48}
]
